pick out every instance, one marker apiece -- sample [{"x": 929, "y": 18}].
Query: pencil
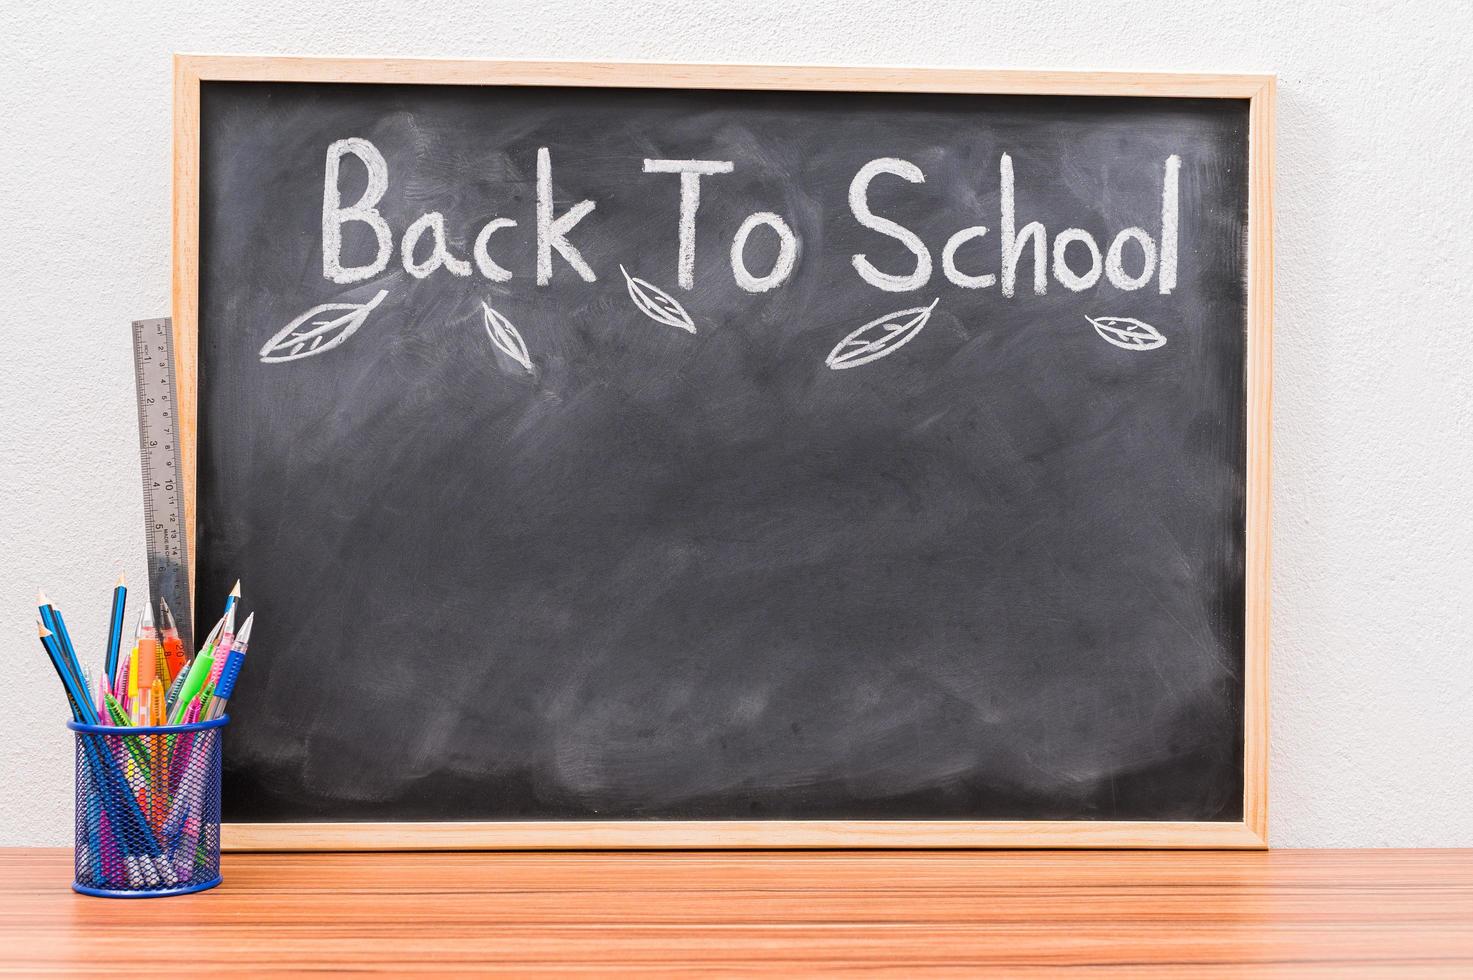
[
  {"x": 51, "y": 619},
  {"x": 233, "y": 597},
  {"x": 48, "y": 644},
  {"x": 115, "y": 627}
]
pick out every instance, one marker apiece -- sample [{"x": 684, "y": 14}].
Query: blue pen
[
  {"x": 115, "y": 628},
  {"x": 233, "y": 663}
]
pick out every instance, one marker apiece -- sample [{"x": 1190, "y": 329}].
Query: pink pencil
[{"x": 102, "y": 691}]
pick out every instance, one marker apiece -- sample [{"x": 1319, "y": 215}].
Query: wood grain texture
[
  {"x": 1259, "y": 490},
  {"x": 185, "y": 294},
  {"x": 757, "y": 834},
  {"x": 191, "y": 70},
  {"x": 629, "y": 74},
  {"x": 1280, "y": 913}
]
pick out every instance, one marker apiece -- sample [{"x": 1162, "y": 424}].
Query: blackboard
[{"x": 614, "y": 454}]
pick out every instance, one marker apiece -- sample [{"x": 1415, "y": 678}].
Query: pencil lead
[{"x": 235, "y": 589}]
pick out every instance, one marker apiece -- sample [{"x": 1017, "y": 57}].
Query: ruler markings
[{"x": 163, "y": 485}]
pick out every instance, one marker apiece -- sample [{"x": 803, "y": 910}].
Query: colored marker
[{"x": 115, "y": 626}]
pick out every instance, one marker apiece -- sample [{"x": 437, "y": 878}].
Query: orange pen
[
  {"x": 170, "y": 640},
  {"x": 147, "y": 663}
]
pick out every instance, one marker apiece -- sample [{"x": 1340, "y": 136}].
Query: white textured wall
[{"x": 1373, "y": 572}]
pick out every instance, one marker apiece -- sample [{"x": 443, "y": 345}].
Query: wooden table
[{"x": 1294, "y": 913}]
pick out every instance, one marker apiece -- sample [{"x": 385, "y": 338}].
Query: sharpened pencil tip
[
  {"x": 41, "y": 599},
  {"x": 122, "y": 582},
  {"x": 41, "y": 630},
  {"x": 235, "y": 589}
]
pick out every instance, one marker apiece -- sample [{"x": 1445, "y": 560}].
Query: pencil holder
[{"x": 148, "y": 809}]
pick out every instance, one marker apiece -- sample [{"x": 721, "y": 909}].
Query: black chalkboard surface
[{"x": 927, "y": 504}]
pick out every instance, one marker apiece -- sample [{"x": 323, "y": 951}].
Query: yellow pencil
[{"x": 134, "y": 707}]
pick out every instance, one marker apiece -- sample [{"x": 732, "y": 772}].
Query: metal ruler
[{"x": 163, "y": 470}]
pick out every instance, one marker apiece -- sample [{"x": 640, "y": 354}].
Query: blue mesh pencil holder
[{"x": 148, "y": 809}]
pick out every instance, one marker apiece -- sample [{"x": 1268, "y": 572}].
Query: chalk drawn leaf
[
  {"x": 1126, "y": 332},
  {"x": 317, "y": 331},
  {"x": 505, "y": 337},
  {"x": 880, "y": 337},
  {"x": 657, "y": 304}
]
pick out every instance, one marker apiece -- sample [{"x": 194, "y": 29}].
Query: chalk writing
[
  {"x": 322, "y": 335},
  {"x": 880, "y": 337},
  {"x": 1126, "y": 332},
  {"x": 657, "y": 304},
  {"x": 1074, "y": 258},
  {"x": 506, "y": 337}
]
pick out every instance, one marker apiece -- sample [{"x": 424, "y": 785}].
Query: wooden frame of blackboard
[{"x": 190, "y": 71}]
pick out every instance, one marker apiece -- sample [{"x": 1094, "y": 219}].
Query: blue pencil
[
  {"x": 78, "y": 694},
  {"x": 111, "y": 783},
  {"x": 49, "y": 645},
  {"x": 233, "y": 597},
  {"x": 51, "y": 619},
  {"x": 115, "y": 628}
]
